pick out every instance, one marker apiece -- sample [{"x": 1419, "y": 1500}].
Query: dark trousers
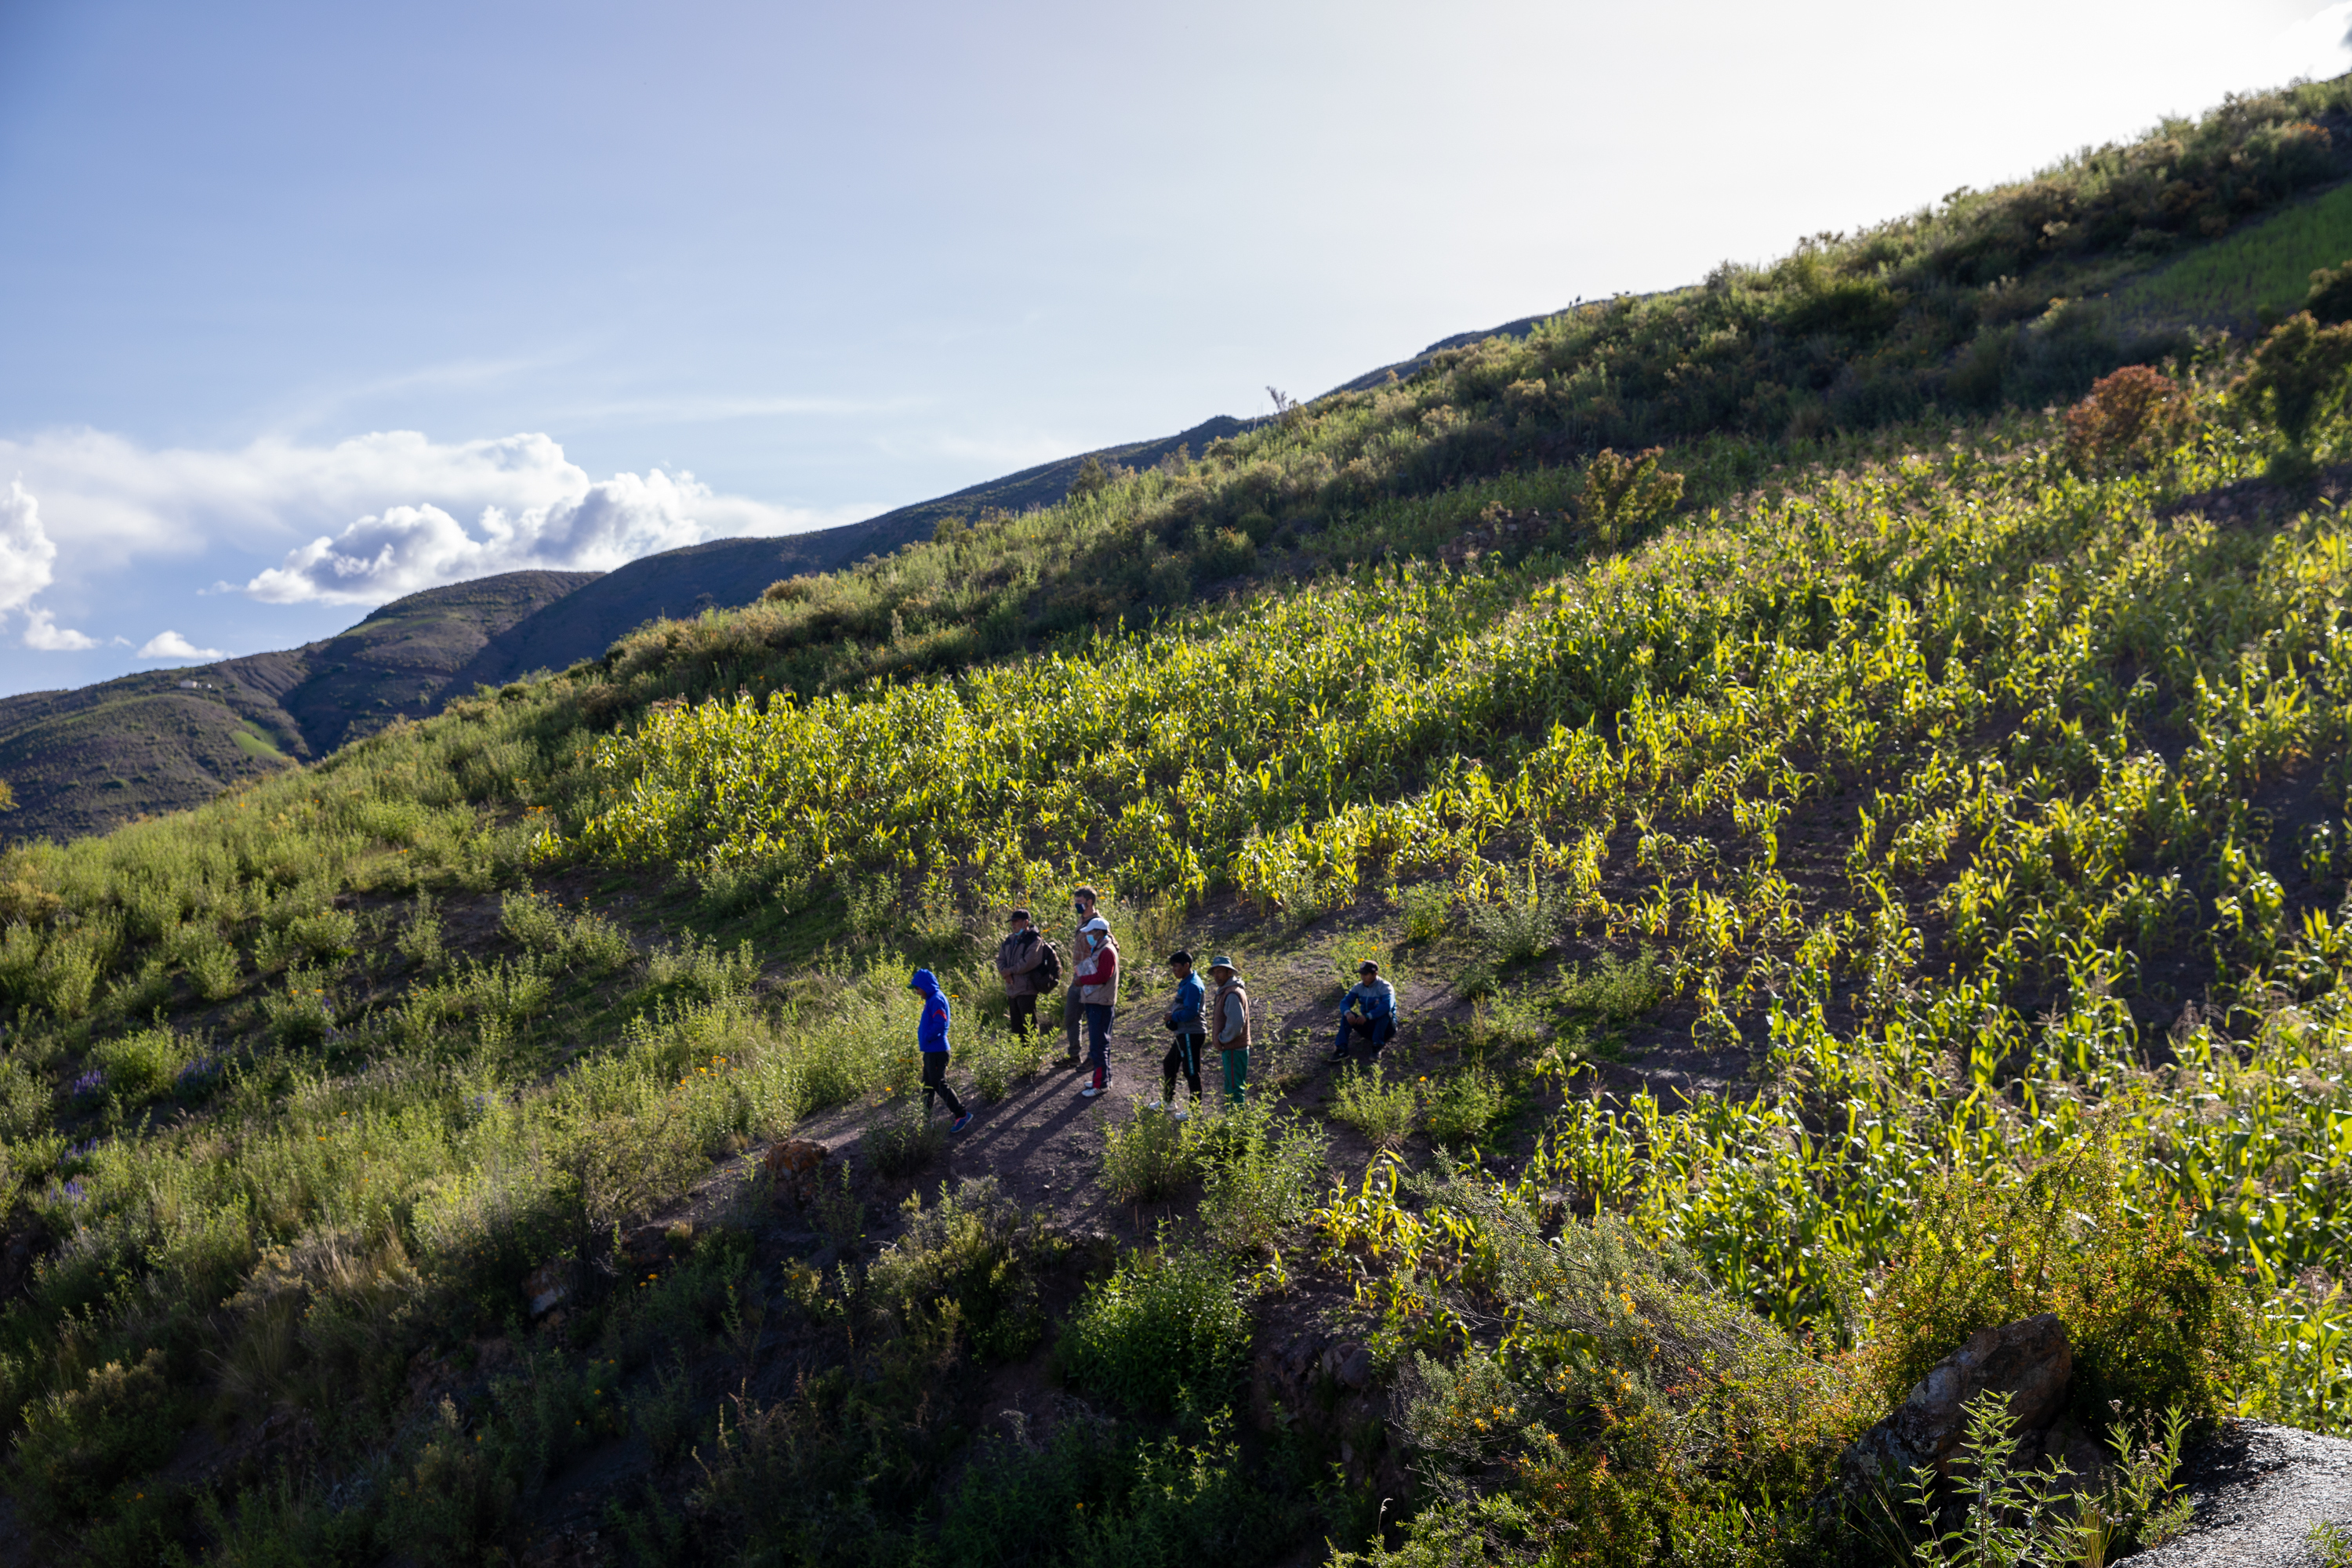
[
  {"x": 1021, "y": 1014},
  {"x": 935, "y": 1082},
  {"x": 1097, "y": 1016},
  {"x": 1183, "y": 1056},
  {"x": 1374, "y": 1035}
]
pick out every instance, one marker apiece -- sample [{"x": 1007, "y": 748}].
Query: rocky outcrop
[{"x": 2032, "y": 1361}]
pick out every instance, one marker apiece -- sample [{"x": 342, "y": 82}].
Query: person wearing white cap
[
  {"x": 1230, "y": 1024},
  {"x": 1097, "y": 974}
]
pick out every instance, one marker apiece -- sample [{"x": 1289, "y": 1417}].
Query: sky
[{"x": 305, "y": 307}]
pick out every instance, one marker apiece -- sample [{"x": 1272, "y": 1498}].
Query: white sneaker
[
  {"x": 1153, "y": 1106},
  {"x": 1088, "y": 1092},
  {"x": 1178, "y": 1114}
]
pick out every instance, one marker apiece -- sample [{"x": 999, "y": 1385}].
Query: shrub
[
  {"x": 1463, "y": 1107},
  {"x": 1264, "y": 1172},
  {"x": 1149, "y": 1156},
  {"x": 997, "y": 1060},
  {"x": 1524, "y": 924},
  {"x": 2156, "y": 1317},
  {"x": 214, "y": 969},
  {"x": 327, "y": 936},
  {"x": 1617, "y": 990},
  {"x": 574, "y": 939},
  {"x": 1425, "y": 909},
  {"x": 974, "y": 1255},
  {"x": 1380, "y": 1110},
  {"x": 1097, "y": 1495},
  {"x": 2298, "y": 375},
  {"x": 303, "y": 1012},
  {"x": 2330, "y": 300},
  {"x": 2006, "y": 1515},
  {"x": 78, "y": 1443},
  {"x": 1227, "y": 552},
  {"x": 2130, "y": 419},
  {"x": 697, "y": 965},
  {"x": 420, "y": 938},
  {"x": 140, "y": 1065},
  {"x": 1624, "y": 495},
  {"x": 1168, "y": 1321},
  {"x": 1508, "y": 1021},
  {"x": 1631, "y": 1408},
  {"x": 788, "y": 591},
  {"x": 902, "y": 1140}
]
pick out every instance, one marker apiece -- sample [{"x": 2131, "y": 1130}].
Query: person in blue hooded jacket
[{"x": 931, "y": 1036}]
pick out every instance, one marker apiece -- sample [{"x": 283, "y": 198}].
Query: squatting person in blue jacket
[
  {"x": 931, "y": 1035},
  {"x": 1183, "y": 1021},
  {"x": 1366, "y": 1017}
]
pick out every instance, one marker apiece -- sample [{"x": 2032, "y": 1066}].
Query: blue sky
[{"x": 302, "y": 307}]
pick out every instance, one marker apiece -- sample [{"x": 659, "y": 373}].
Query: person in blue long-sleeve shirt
[
  {"x": 931, "y": 1036},
  {"x": 1367, "y": 1012},
  {"x": 1184, "y": 1021}
]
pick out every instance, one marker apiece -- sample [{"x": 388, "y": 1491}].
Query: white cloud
[
  {"x": 43, "y": 633},
  {"x": 117, "y": 505},
  {"x": 27, "y": 565},
  {"x": 2316, "y": 46},
  {"x": 171, "y": 644},
  {"x": 25, "y": 552},
  {"x": 406, "y": 548}
]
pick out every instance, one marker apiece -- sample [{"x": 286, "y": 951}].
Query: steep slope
[{"x": 396, "y": 1155}]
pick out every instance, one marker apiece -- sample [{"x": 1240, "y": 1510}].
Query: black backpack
[{"x": 1048, "y": 973}]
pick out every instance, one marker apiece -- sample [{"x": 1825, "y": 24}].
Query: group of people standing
[{"x": 1198, "y": 1015}]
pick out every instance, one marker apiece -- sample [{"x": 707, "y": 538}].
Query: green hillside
[{"x": 1877, "y": 867}]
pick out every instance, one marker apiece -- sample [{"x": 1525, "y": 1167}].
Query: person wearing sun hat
[{"x": 1230, "y": 1024}]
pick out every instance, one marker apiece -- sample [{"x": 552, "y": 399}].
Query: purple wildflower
[
  {"x": 72, "y": 1192},
  {"x": 91, "y": 1082}
]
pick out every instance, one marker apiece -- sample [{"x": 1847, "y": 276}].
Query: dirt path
[{"x": 1044, "y": 1143}]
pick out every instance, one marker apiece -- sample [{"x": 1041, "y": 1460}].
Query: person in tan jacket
[
  {"x": 1017, "y": 957},
  {"x": 1229, "y": 1024}
]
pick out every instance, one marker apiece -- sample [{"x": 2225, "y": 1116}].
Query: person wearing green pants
[{"x": 1230, "y": 1024}]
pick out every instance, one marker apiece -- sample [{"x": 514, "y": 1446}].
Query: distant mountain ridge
[
  {"x": 728, "y": 572},
  {"x": 90, "y": 758}
]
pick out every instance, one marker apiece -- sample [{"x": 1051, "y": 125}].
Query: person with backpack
[
  {"x": 1073, "y": 1014},
  {"x": 1028, "y": 966},
  {"x": 1229, "y": 1024},
  {"x": 1096, "y": 977},
  {"x": 931, "y": 1040},
  {"x": 1368, "y": 1009},
  {"x": 1185, "y": 1022}
]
